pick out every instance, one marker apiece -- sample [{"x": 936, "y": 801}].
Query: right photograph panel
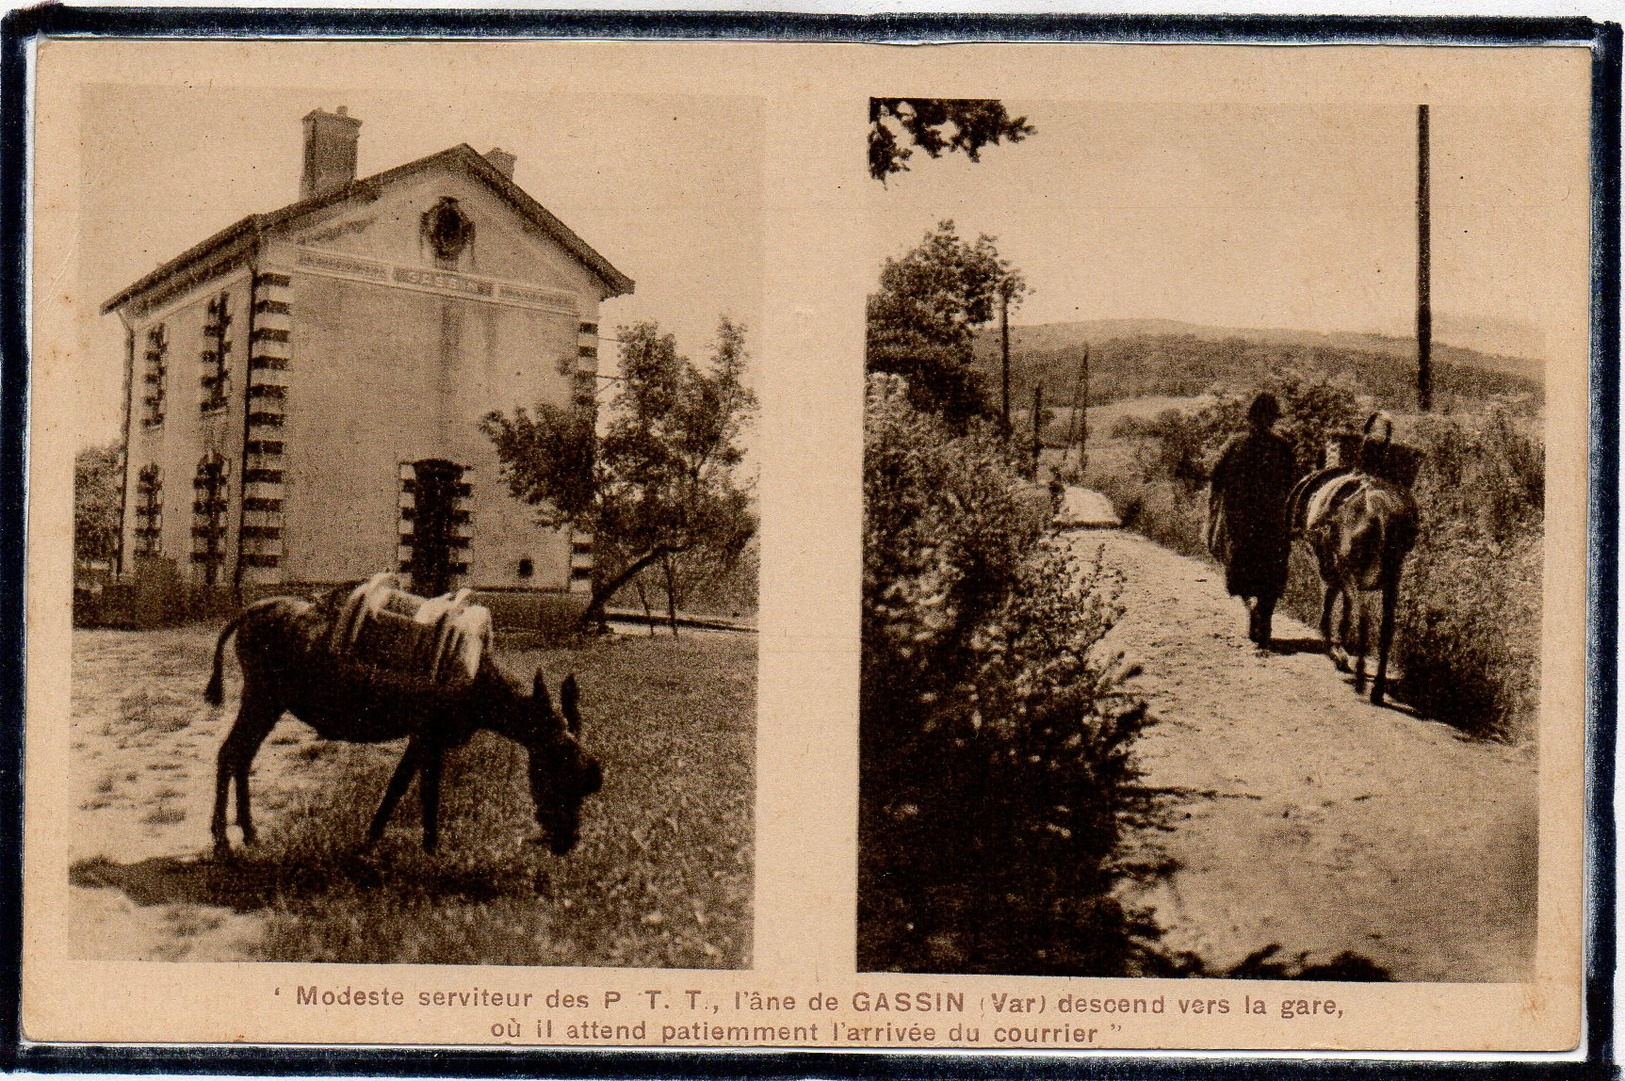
[{"x": 1204, "y": 482}]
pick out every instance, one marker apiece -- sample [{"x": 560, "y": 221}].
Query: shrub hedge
[{"x": 996, "y": 742}]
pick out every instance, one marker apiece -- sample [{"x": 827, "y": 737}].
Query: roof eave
[
  {"x": 613, "y": 281},
  {"x": 255, "y": 224},
  {"x": 249, "y": 226}
]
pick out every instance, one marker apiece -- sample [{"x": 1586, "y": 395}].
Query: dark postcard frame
[{"x": 23, "y": 27}]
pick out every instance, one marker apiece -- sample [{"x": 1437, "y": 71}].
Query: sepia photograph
[
  {"x": 414, "y": 569},
  {"x": 538, "y": 547},
  {"x": 1205, "y": 485}
]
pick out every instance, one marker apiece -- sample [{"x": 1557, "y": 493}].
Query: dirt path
[
  {"x": 1303, "y": 816},
  {"x": 1083, "y": 509}
]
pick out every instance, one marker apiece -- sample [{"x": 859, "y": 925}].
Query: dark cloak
[{"x": 1247, "y": 531}]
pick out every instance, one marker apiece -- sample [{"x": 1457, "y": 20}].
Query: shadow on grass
[
  {"x": 255, "y": 883},
  {"x": 1110, "y": 939},
  {"x": 1347, "y": 966},
  {"x": 168, "y": 880},
  {"x": 1290, "y": 647},
  {"x": 1268, "y": 964}
]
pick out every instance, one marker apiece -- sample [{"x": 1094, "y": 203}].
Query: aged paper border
[{"x": 816, "y": 459}]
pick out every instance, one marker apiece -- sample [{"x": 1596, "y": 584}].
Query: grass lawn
[{"x": 661, "y": 876}]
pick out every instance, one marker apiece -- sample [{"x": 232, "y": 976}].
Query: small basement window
[{"x": 526, "y": 568}]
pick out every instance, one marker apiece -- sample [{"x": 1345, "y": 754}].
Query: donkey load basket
[{"x": 1397, "y": 463}]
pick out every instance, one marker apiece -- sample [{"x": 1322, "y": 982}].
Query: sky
[
  {"x": 667, "y": 188},
  {"x": 1297, "y": 216},
  {"x": 1254, "y": 188}
]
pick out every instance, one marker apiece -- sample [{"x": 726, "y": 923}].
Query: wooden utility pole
[
  {"x": 1004, "y": 338},
  {"x": 1424, "y": 268},
  {"x": 1079, "y": 421},
  {"x": 1038, "y": 425},
  {"x": 1083, "y": 416}
]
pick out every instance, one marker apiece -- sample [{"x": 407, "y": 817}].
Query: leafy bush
[
  {"x": 1176, "y": 445},
  {"x": 996, "y": 766},
  {"x": 662, "y": 479},
  {"x": 1183, "y": 446},
  {"x": 1468, "y": 640},
  {"x": 1161, "y": 509},
  {"x": 702, "y": 585},
  {"x": 97, "y": 489},
  {"x": 921, "y": 321}
]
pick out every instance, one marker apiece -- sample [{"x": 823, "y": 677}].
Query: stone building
[{"x": 304, "y": 388}]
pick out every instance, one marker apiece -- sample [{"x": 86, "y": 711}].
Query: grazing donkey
[
  {"x": 282, "y": 645},
  {"x": 1360, "y": 528}
]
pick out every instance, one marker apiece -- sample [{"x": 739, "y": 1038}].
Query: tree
[
  {"x": 1012, "y": 290},
  {"x": 97, "y": 488},
  {"x": 661, "y": 479},
  {"x": 922, "y": 320},
  {"x": 977, "y": 122}
]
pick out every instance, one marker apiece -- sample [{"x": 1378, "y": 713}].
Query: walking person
[{"x": 1247, "y": 530}]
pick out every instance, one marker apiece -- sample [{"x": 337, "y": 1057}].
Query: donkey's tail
[{"x": 215, "y": 692}]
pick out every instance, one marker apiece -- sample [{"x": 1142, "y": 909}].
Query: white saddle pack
[{"x": 440, "y": 639}]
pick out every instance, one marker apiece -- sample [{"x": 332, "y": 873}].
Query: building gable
[
  {"x": 445, "y": 222},
  {"x": 460, "y": 165}
]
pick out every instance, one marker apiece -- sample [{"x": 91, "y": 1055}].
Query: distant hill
[{"x": 1132, "y": 358}]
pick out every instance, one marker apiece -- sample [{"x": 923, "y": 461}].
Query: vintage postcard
[{"x": 1004, "y": 547}]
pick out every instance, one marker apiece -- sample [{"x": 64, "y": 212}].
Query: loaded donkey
[{"x": 372, "y": 664}]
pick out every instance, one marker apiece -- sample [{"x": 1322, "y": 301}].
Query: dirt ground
[
  {"x": 144, "y": 745},
  {"x": 1302, "y": 816}
]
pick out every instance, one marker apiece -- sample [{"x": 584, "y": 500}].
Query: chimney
[
  {"x": 503, "y": 160},
  {"x": 330, "y": 141}
]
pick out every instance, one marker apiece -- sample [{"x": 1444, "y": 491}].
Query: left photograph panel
[{"x": 414, "y": 526}]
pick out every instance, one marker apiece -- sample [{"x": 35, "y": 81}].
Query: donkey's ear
[
  {"x": 570, "y": 697},
  {"x": 544, "y": 704}
]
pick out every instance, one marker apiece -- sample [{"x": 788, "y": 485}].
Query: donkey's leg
[
  {"x": 398, "y": 782},
  {"x": 1341, "y": 657},
  {"x": 1385, "y": 636},
  {"x": 245, "y": 819},
  {"x": 253, "y": 738},
  {"x": 1332, "y": 587},
  {"x": 1326, "y": 602},
  {"x": 222, "y": 787},
  {"x": 429, "y": 797},
  {"x": 1360, "y": 639},
  {"x": 256, "y": 716}
]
